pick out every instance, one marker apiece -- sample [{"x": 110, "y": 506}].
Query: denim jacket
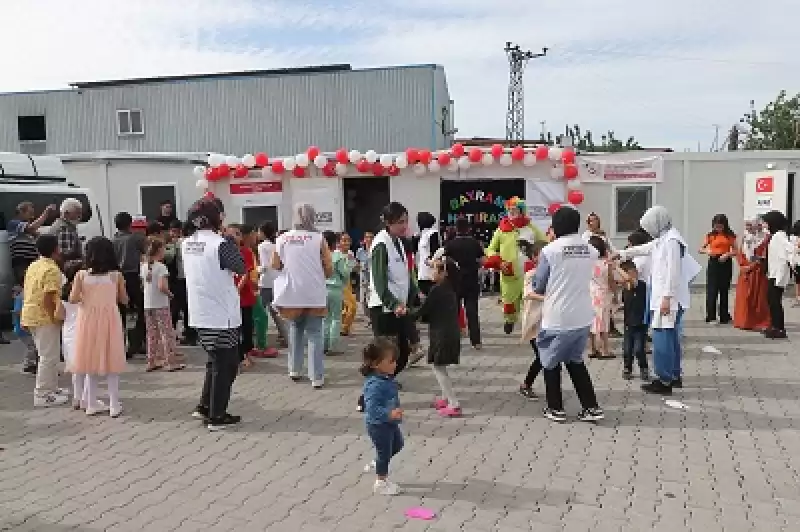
[{"x": 380, "y": 398}]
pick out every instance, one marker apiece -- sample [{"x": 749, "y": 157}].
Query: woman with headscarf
[
  {"x": 751, "y": 310},
  {"x": 303, "y": 262},
  {"x": 672, "y": 268},
  {"x": 781, "y": 256}
]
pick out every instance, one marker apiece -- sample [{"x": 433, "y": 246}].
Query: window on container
[
  {"x": 631, "y": 204},
  {"x": 151, "y": 197},
  {"x": 129, "y": 122},
  {"x": 32, "y": 128},
  {"x": 10, "y": 199}
]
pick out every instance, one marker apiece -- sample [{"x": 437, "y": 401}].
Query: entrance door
[
  {"x": 482, "y": 202},
  {"x": 257, "y": 215},
  {"x": 325, "y": 195},
  {"x": 364, "y": 198}
]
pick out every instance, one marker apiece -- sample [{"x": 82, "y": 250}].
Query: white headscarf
[
  {"x": 305, "y": 217},
  {"x": 656, "y": 221},
  {"x": 754, "y": 236}
]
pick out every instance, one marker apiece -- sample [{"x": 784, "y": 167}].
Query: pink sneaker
[
  {"x": 449, "y": 411},
  {"x": 438, "y": 404}
]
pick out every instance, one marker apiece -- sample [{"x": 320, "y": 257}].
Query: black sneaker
[
  {"x": 559, "y": 416},
  {"x": 527, "y": 393},
  {"x": 644, "y": 374},
  {"x": 677, "y": 383},
  {"x": 627, "y": 374},
  {"x": 221, "y": 423},
  {"x": 4, "y": 340},
  {"x": 201, "y": 412},
  {"x": 30, "y": 370},
  {"x": 508, "y": 328},
  {"x": 591, "y": 414},
  {"x": 657, "y": 387},
  {"x": 776, "y": 334}
]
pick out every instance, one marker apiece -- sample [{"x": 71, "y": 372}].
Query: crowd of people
[{"x": 226, "y": 281}]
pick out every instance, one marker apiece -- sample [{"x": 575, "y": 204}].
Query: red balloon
[
  {"x": 497, "y": 151},
  {"x": 208, "y": 195},
  {"x": 363, "y": 166},
  {"x": 412, "y": 156},
  {"x": 262, "y": 160},
  {"x": 444, "y": 158},
  {"x": 299, "y": 171},
  {"x": 394, "y": 170},
  {"x": 553, "y": 207},
  {"x": 377, "y": 169},
  {"x": 425, "y": 157},
  {"x": 212, "y": 174},
  {"x": 240, "y": 171},
  {"x": 458, "y": 150},
  {"x": 575, "y": 197},
  {"x": 277, "y": 167},
  {"x": 329, "y": 170},
  {"x": 568, "y": 156},
  {"x": 570, "y": 171},
  {"x": 223, "y": 170},
  {"x": 518, "y": 153},
  {"x": 312, "y": 152},
  {"x": 342, "y": 156},
  {"x": 475, "y": 155},
  {"x": 541, "y": 153}
]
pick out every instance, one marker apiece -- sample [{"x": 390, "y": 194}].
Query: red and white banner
[
  {"x": 256, "y": 187},
  {"x": 256, "y": 193},
  {"x": 645, "y": 170}
]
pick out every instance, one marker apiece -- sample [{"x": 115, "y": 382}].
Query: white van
[{"x": 42, "y": 181}]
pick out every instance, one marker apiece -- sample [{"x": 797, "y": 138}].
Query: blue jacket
[{"x": 380, "y": 398}]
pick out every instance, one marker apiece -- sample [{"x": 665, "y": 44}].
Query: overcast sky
[{"x": 664, "y": 74}]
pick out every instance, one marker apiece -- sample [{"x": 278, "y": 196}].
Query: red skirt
[{"x": 751, "y": 311}]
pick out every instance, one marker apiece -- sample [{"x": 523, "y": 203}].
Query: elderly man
[
  {"x": 66, "y": 229},
  {"x": 22, "y": 231}
]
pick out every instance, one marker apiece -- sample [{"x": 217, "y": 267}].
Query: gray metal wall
[{"x": 383, "y": 109}]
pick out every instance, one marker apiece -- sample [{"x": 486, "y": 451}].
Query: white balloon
[
  {"x": 371, "y": 156},
  {"x": 232, "y": 161},
  {"x": 574, "y": 184},
  {"x": 341, "y": 169},
  {"x": 453, "y": 166},
  {"x": 434, "y": 166},
  {"x": 555, "y": 154},
  {"x": 487, "y": 159},
  {"x": 199, "y": 171},
  {"x": 267, "y": 173},
  {"x": 464, "y": 163},
  {"x": 249, "y": 160},
  {"x": 419, "y": 169},
  {"x": 529, "y": 160},
  {"x": 202, "y": 184},
  {"x": 386, "y": 160},
  {"x": 289, "y": 163},
  {"x": 354, "y": 156},
  {"x": 401, "y": 162},
  {"x": 215, "y": 159},
  {"x": 302, "y": 160},
  {"x": 506, "y": 160},
  {"x": 320, "y": 161},
  {"x": 556, "y": 173}
]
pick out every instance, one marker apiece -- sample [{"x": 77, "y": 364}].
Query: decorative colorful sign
[{"x": 481, "y": 202}]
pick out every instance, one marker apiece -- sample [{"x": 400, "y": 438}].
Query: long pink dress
[
  {"x": 602, "y": 297},
  {"x": 99, "y": 342}
]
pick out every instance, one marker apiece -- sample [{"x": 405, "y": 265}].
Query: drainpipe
[{"x": 433, "y": 109}]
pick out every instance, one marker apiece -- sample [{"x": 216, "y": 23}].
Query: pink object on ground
[
  {"x": 450, "y": 412},
  {"x": 420, "y": 513},
  {"x": 438, "y": 404}
]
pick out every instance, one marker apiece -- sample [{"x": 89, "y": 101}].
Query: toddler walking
[
  {"x": 99, "y": 342},
  {"x": 634, "y": 297},
  {"x": 161, "y": 341},
  {"x": 382, "y": 410},
  {"x": 531, "y": 317}
]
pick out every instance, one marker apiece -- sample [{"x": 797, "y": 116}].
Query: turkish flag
[{"x": 765, "y": 185}]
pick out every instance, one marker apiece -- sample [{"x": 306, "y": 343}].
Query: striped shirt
[
  {"x": 211, "y": 339},
  {"x": 22, "y": 243}
]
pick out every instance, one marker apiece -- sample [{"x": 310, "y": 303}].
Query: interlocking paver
[{"x": 729, "y": 462}]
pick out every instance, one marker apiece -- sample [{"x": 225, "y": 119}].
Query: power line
[{"x": 597, "y": 53}]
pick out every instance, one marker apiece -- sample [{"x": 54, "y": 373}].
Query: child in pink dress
[
  {"x": 601, "y": 290},
  {"x": 99, "y": 344}
]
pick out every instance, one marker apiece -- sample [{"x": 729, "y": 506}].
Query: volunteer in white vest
[
  {"x": 303, "y": 262},
  {"x": 427, "y": 245},
  {"x": 562, "y": 277},
  {"x": 671, "y": 270},
  {"x": 209, "y": 263}
]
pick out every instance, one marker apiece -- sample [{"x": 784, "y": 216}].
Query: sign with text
[
  {"x": 325, "y": 195},
  {"x": 764, "y": 192},
  {"x": 481, "y": 202},
  {"x": 539, "y": 195},
  {"x": 249, "y": 193},
  {"x": 613, "y": 169}
]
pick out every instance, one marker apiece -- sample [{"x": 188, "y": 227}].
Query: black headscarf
[{"x": 776, "y": 221}]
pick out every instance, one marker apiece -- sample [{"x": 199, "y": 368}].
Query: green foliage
[
  {"x": 776, "y": 127},
  {"x": 585, "y": 141}
]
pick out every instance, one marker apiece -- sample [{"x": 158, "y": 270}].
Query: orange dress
[
  {"x": 99, "y": 343},
  {"x": 751, "y": 311}
]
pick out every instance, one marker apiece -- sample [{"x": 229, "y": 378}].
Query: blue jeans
[
  {"x": 667, "y": 353},
  {"x": 306, "y": 330},
  {"x": 388, "y": 441}
]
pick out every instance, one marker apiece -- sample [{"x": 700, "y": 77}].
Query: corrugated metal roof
[{"x": 171, "y": 157}]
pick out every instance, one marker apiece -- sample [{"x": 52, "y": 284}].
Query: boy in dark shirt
[{"x": 634, "y": 297}]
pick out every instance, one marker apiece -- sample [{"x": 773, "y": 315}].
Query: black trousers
[
  {"x": 246, "y": 340},
  {"x": 425, "y": 286},
  {"x": 221, "y": 369},
  {"x": 581, "y": 381},
  {"x": 189, "y": 334},
  {"x": 136, "y": 336},
  {"x": 718, "y": 283},
  {"x": 397, "y": 328},
  {"x": 633, "y": 346},
  {"x": 775, "y": 302},
  {"x": 535, "y": 367},
  {"x": 469, "y": 298}
]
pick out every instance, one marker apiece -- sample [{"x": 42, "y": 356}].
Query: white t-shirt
[
  {"x": 153, "y": 296},
  {"x": 267, "y": 275}
]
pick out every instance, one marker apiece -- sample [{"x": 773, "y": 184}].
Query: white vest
[
  {"x": 210, "y": 290},
  {"x": 425, "y": 272},
  {"x": 399, "y": 278},
  {"x": 658, "y": 273},
  {"x": 301, "y": 282},
  {"x": 567, "y": 303}
]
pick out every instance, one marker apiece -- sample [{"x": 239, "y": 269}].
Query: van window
[{"x": 9, "y": 200}]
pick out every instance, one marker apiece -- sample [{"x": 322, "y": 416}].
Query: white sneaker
[
  {"x": 386, "y": 487},
  {"x": 51, "y": 399},
  {"x": 317, "y": 384},
  {"x": 63, "y": 391},
  {"x": 99, "y": 408},
  {"x": 370, "y": 466}
]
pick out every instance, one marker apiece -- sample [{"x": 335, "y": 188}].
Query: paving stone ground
[{"x": 730, "y": 462}]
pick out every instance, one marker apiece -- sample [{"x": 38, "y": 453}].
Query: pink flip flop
[
  {"x": 450, "y": 412},
  {"x": 420, "y": 513},
  {"x": 438, "y": 404}
]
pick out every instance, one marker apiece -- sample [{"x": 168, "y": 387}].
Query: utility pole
[
  {"x": 715, "y": 145},
  {"x": 515, "y": 118}
]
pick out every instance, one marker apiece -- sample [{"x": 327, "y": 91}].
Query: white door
[
  {"x": 764, "y": 192},
  {"x": 326, "y": 195}
]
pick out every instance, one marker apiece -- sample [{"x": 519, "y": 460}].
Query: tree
[
  {"x": 776, "y": 127},
  {"x": 585, "y": 141}
]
